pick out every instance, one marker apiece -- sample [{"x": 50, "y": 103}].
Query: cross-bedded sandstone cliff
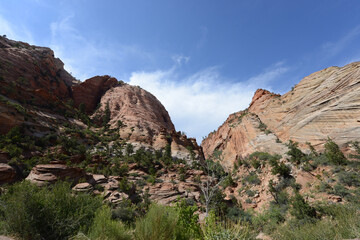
[{"x": 324, "y": 104}]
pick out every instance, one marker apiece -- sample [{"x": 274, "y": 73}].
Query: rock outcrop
[
  {"x": 37, "y": 92},
  {"x": 7, "y": 174},
  {"x": 32, "y": 74},
  {"x": 324, "y": 104},
  {"x": 49, "y": 173},
  {"x": 90, "y": 91},
  {"x": 142, "y": 119}
]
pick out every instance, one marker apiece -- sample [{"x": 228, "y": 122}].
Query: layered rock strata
[{"x": 324, "y": 104}]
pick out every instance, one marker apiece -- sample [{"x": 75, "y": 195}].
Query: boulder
[
  {"x": 7, "y": 174},
  {"x": 83, "y": 187},
  {"x": 50, "y": 173}
]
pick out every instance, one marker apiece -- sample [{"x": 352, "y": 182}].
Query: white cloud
[
  {"x": 180, "y": 59},
  {"x": 202, "y": 101}
]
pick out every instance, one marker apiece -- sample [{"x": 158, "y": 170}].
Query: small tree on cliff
[
  {"x": 215, "y": 175},
  {"x": 333, "y": 153}
]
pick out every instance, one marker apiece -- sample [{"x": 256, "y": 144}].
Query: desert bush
[
  {"x": 160, "y": 223},
  {"x": 301, "y": 209},
  {"x": 333, "y": 153},
  {"x": 320, "y": 160},
  {"x": 339, "y": 222},
  {"x": 215, "y": 230},
  {"x": 237, "y": 215},
  {"x": 30, "y": 212},
  {"x": 324, "y": 187},
  {"x": 125, "y": 211},
  {"x": 349, "y": 178},
  {"x": 103, "y": 227},
  {"x": 252, "y": 178},
  {"x": 188, "y": 222},
  {"x": 340, "y": 190},
  {"x": 296, "y": 155},
  {"x": 280, "y": 168},
  {"x": 250, "y": 193},
  {"x": 228, "y": 181}
]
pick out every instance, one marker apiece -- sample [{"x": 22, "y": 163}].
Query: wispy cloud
[
  {"x": 202, "y": 101},
  {"x": 15, "y": 32},
  {"x": 333, "y": 48},
  {"x": 85, "y": 57},
  {"x": 180, "y": 59},
  {"x": 81, "y": 55}
]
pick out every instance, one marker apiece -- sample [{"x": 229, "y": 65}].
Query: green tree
[
  {"x": 301, "y": 209},
  {"x": 296, "y": 155},
  {"x": 333, "y": 153}
]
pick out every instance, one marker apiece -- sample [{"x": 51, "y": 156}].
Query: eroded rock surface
[
  {"x": 44, "y": 174},
  {"x": 7, "y": 174},
  {"x": 90, "y": 91},
  {"x": 143, "y": 119},
  {"x": 324, "y": 104}
]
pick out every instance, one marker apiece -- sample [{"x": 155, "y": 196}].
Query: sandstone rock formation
[
  {"x": 90, "y": 91},
  {"x": 7, "y": 174},
  {"x": 143, "y": 119},
  {"x": 27, "y": 71},
  {"x": 49, "y": 173},
  {"x": 36, "y": 91},
  {"x": 324, "y": 104}
]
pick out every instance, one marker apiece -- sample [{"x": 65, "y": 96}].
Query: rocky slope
[
  {"x": 144, "y": 120},
  {"x": 45, "y": 101},
  {"x": 324, "y": 104},
  {"x": 37, "y": 91}
]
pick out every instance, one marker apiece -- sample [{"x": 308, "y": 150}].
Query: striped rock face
[{"x": 324, "y": 104}]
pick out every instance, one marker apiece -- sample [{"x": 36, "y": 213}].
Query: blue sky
[{"x": 203, "y": 59}]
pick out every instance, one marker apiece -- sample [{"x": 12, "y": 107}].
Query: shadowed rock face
[
  {"x": 49, "y": 173},
  {"x": 90, "y": 91},
  {"x": 324, "y": 104},
  {"x": 7, "y": 174},
  {"x": 31, "y": 74}
]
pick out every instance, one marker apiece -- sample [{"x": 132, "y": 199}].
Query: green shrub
[
  {"x": 250, "y": 193},
  {"x": 324, "y": 187},
  {"x": 215, "y": 230},
  {"x": 262, "y": 126},
  {"x": 280, "y": 168},
  {"x": 160, "y": 223},
  {"x": 252, "y": 178},
  {"x": 31, "y": 212},
  {"x": 228, "y": 181},
  {"x": 237, "y": 215},
  {"x": 333, "y": 153},
  {"x": 300, "y": 209},
  {"x": 103, "y": 227},
  {"x": 340, "y": 190},
  {"x": 349, "y": 178},
  {"x": 188, "y": 222},
  {"x": 296, "y": 155},
  {"x": 125, "y": 212},
  {"x": 339, "y": 222},
  {"x": 320, "y": 160}
]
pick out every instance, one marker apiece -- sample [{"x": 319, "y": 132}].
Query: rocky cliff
[
  {"x": 36, "y": 91},
  {"x": 43, "y": 99},
  {"x": 324, "y": 104},
  {"x": 143, "y": 119}
]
